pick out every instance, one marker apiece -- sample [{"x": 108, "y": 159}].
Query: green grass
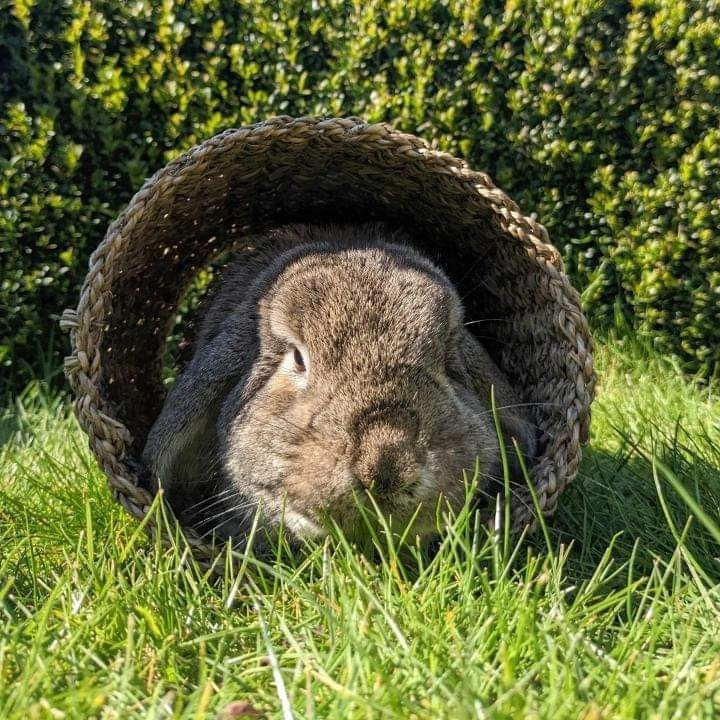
[{"x": 613, "y": 611}]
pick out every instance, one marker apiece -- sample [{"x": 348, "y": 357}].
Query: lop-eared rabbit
[{"x": 335, "y": 369}]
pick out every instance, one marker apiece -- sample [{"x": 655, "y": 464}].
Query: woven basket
[{"x": 247, "y": 180}]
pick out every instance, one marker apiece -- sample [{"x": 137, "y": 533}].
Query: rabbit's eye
[{"x": 299, "y": 361}]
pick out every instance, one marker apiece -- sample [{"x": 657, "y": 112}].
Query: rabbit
[{"x": 334, "y": 369}]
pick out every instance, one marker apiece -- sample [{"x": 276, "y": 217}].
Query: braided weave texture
[{"x": 309, "y": 170}]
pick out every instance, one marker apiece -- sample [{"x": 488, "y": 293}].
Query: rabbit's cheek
[
  {"x": 441, "y": 479},
  {"x": 317, "y": 482}
]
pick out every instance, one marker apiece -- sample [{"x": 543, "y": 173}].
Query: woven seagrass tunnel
[{"x": 245, "y": 181}]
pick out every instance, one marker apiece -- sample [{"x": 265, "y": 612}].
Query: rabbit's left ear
[
  {"x": 487, "y": 379},
  {"x": 182, "y": 440}
]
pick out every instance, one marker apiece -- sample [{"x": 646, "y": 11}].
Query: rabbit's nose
[
  {"x": 385, "y": 460},
  {"x": 380, "y": 473}
]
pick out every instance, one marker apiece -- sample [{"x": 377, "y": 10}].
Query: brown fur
[{"x": 394, "y": 399}]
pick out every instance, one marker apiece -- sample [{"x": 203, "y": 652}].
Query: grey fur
[{"x": 397, "y": 396}]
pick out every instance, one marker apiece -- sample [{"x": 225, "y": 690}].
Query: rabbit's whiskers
[
  {"x": 210, "y": 501},
  {"x": 231, "y": 511},
  {"x": 485, "y": 320}
]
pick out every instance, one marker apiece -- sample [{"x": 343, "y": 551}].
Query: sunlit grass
[{"x": 612, "y": 610}]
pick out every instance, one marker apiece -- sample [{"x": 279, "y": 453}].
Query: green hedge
[{"x": 601, "y": 117}]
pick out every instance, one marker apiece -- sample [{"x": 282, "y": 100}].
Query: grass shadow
[{"x": 625, "y": 500}]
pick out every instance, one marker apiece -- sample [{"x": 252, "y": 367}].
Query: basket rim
[{"x": 109, "y": 437}]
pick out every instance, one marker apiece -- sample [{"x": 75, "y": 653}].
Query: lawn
[{"x": 610, "y": 611}]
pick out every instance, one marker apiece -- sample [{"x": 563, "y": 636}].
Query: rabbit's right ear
[
  {"x": 486, "y": 378},
  {"x": 182, "y": 446}
]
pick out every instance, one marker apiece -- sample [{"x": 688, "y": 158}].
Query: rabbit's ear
[
  {"x": 181, "y": 446},
  {"x": 486, "y": 377}
]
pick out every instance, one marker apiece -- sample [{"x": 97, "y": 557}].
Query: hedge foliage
[{"x": 602, "y": 117}]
